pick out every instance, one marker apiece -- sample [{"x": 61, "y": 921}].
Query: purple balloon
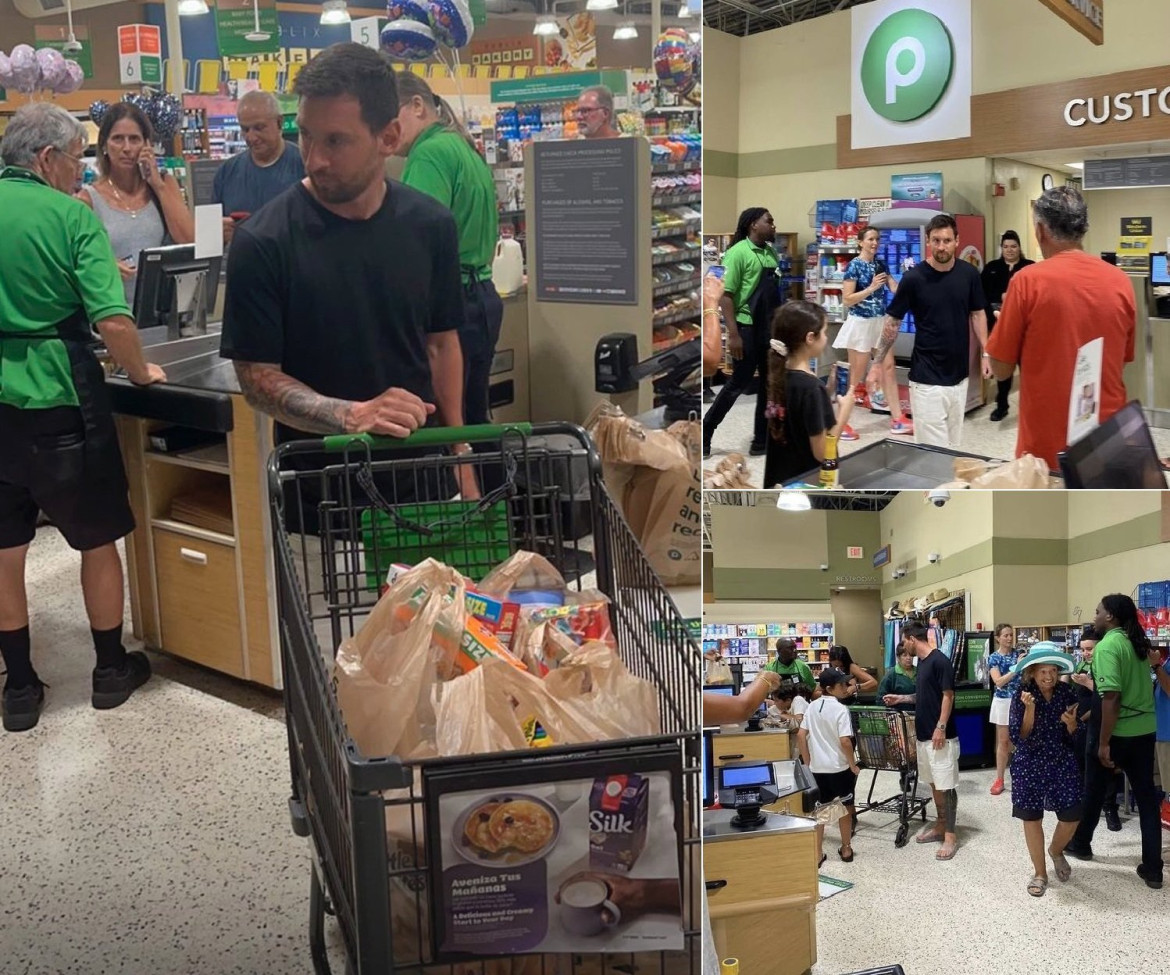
[
  {"x": 5, "y": 71},
  {"x": 24, "y": 69},
  {"x": 52, "y": 65},
  {"x": 72, "y": 80}
]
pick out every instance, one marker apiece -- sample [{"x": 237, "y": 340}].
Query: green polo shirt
[
  {"x": 1116, "y": 667},
  {"x": 797, "y": 668},
  {"x": 743, "y": 263},
  {"x": 442, "y": 164},
  {"x": 897, "y": 681},
  {"x": 56, "y": 259}
]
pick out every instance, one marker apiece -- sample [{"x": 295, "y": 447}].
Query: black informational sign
[
  {"x": 202, "y": 173},
  {"x": 586, "y": 210},
  {"x": 1137, "y": 226},
  {"x": 1124, "y": 174}
]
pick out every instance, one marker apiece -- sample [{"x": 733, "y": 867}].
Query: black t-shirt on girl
[{"x": 808, "y": 412}]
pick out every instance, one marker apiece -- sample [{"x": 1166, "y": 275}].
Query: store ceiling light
[
  {"x": 601, "y": 5},
  {"x": 793, "y": 501},
  {"x": 192, "y": 8},
  {"x": 625, "y": 32},
  {"x": 1075, "y": 165},
  {"x": 684, "y": 12},
  {"x": 334, "y": 12},
  {"x": 546, "y": 27}
]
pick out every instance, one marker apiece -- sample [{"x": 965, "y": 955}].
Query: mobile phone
[
  {"x": 143, "y": 169},
  {"x": 716, "y": 271}
]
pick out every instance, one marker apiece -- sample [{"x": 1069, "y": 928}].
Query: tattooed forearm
[
  {"x": 268, "y": 389},
  {"x": 889, "y": 336}
]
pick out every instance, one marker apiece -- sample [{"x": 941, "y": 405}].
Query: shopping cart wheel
[{"x": 903, "y": 835}]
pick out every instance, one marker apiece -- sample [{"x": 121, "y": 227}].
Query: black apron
[{"x": 762, "y": 304}]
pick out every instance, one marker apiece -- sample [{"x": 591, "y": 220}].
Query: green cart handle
[{"x": 429, "y": 437}]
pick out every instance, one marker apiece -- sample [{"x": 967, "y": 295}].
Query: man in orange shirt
[{"x": 1050, "y": 311}]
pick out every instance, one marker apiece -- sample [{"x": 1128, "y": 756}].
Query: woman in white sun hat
[
  {"x": 1003, "y": 658},
  {"x": 1045, "y": 774}
]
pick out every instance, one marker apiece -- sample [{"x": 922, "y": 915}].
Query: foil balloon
[
  {"x": 6, "y": 72},
  {"x": 674, "y": 60},
  {"x": 52, "y": 66},
  {"x": 164, "y": 113},
  {"x": 97, "y": 111},
  {"x": 451, "y": 21},
  {"x": 406, "y": 40},
  {"x": 24, "y": 69},
  {"x": 71, "y": 80},
  {"x": 415, "y": 10}
]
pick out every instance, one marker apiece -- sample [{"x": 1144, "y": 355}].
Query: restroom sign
[{"x": 854, "y": 552}]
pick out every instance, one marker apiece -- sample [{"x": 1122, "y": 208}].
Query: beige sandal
[{"x": 1037, "y": 886}]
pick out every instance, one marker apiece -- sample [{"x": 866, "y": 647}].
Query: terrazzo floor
[
  {"x": 153, "y": 838},
  {"x": 980, "y": 435},
  {"x": 973, "y": 914}
]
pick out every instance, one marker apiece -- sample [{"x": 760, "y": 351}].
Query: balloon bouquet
[
  {"x": 163, "y": 110},
  {"x": 676, "y": 62},
  {"x": 421, "y": 29},
  {"x": 46, "y": 70}
]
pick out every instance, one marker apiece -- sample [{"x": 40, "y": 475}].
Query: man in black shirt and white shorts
[
  {"x": 344, "y": 299},
  {"x": 946, "y": 297},
  {"x": 938, "y": 751}
]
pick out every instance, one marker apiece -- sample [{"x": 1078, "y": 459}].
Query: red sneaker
[
  {"x": 1166, "y": 814},
  {"x": 861, "y": 396},
  {"x": 849, "y": 433},
  {"x": 997, "y": 787}
]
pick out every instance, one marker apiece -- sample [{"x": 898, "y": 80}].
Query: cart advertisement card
[{"x": 558, "y": 857}]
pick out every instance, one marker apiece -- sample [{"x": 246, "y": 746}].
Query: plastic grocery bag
[
  {"x": 718, "y": 672},
  {"x": 654, "y": 477},
  {"x": 1023, "y": 472},
  {"x": 522, "y": 571},
  {"x": 731, "y": 472}
]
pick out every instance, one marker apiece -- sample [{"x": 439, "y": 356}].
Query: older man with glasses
[
  {"x": 595, "y": 113},
  {"x": 58, "y": 448}
]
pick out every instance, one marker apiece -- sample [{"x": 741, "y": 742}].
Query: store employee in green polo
[
  {"x": 750, "y": 298},
  {"x": 58, "y": 447},
  {"x": 792, "y": 670},
  {"x": 441, "y": 162}
]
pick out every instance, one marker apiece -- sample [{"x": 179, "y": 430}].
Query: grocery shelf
[
  {"x": 676, "y": 287},
  {"x": 836, "y": 249},
  {"x": 672, "y": 108},
  {"x": 675, "y": 230},
  {"x": 676, "y": 167},
  {"x": 678, "y": 316},
  {"x": 670, "y": 200},
  {"x": 678, "y": 257},
  {"x": 512, "y": 213}
]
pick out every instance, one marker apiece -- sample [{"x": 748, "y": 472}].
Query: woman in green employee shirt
[{"x": 442, "y": 162}]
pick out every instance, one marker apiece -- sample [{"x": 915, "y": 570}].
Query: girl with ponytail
[{"x": 800, "y": 413}]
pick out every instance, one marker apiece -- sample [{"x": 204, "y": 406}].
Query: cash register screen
[
  {"x": 726, "y": 690},
  {"x": 1159, "y": 276},
  {"x": 744, "y": 775}
]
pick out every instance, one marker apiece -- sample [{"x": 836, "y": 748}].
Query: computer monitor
[
  {"x": 1159, "y": 273},
  {"x": 724, "y": 689},
  {"x": 175, "y": 288},
  {"x": 1119, "y": 454}
]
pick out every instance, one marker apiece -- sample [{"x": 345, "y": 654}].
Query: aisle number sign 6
[{"x": 911, "y": 68}]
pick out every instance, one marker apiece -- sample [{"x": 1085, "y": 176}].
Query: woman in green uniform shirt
[{"x": 442, "y": 162}]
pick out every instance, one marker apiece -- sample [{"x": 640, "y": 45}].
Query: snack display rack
[
  {"x": 323, "y": 493},
  {"x": 746, "y": 644}
]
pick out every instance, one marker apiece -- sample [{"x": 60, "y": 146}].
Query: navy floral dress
[{"x": 1045, "y": 772}]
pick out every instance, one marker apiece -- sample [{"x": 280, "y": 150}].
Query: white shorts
[
  {"x": 938, "y": 414},
  {"x": 859, "y": 334},
  {"x": 939, "y": 767},
  {"x": 1000, "y": 709}
]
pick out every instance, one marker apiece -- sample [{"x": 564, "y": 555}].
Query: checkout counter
[{"x": 759, "y": 850}]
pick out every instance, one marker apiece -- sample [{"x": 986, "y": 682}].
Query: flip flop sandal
[
  {"x": 943, "y": 854},
  {"x": 1063, "y": 870},
  {"x": 928, "y": 837},
  {"x": 1037, "y": 886},
  {"x": 824, "y": 857},
  {"x": 844, "y": 858}
]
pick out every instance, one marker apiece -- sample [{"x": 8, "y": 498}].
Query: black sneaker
[
  {"x": 22, "y": 706},
  {"x": 1112, "y": 820},
  {"x": 756, "y": 449},
  {"x": 1153, "y": 880},
  {"x": 1078, "y": 852},
  {"x": 114, "y": 685},
  {"x": 706, "y": 449},
  {"x": 998, "y": 414}
]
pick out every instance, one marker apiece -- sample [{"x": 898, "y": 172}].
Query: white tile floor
[{"x": 980, "y": 435}]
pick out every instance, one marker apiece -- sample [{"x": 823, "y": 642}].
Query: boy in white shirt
[{"x": 826, "y": 747}]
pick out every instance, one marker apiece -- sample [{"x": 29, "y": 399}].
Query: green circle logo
[{"x": 907, "y": 65}]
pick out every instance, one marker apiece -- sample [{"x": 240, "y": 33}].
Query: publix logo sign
[
  {"x": 907, "y": 65},
  {"x": 911, "y": 67}
]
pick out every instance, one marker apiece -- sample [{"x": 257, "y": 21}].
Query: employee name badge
[{"x": 1084, "y": 401}]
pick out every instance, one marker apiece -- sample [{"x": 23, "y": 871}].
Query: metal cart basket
[
  {"x": 346, "y": 508},
  {"x": 885, "y": 743}
]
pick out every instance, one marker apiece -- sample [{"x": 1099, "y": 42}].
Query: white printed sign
[{"x": 1084, "y": 401}]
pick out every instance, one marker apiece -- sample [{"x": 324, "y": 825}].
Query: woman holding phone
[{"x": 138, "y": 205}]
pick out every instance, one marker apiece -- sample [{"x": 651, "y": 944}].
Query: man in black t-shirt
[
  {"x": 344, "y": 295},
  {"x": 946, "y": 297},
  {"x": 938, "y": 742}
]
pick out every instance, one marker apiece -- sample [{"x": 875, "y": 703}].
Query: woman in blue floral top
[
  {"x": 1000, "y": 665},
  {"x": 865, "y": 288}
]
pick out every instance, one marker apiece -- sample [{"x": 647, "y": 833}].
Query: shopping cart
[
  {"x": 885, "y": 743},
  {"x": 369, "y": 507}
]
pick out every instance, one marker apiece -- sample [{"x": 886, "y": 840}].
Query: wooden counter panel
[
  {"x": 763, "y": 745},
  {"x": 790, "y": 947},
  {"x": 132, "y": 434}
]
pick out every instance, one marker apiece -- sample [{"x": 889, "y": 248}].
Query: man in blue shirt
[{"x": 246, "y": 182}]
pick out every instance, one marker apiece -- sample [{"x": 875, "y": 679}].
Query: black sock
[
  {"x": 16, "y": 648},
  {"x": 108, "y": 644}
]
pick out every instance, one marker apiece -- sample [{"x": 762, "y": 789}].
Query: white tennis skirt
[{"x": 859, "y": 334}]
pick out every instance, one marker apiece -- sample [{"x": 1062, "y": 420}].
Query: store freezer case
[
  {"x": 894, "y": 465},
  {"x": 383, "y": 895}
]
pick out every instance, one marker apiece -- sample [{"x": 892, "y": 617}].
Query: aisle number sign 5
[
  {"x": 368, "y": 31},
  {"x": 911, "y": 72}
]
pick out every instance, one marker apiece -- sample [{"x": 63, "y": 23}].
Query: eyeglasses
[
  {"x": 586, "y": 111},
  {"x": 76, "y": 160}
]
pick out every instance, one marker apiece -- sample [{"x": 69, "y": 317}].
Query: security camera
[
  {"x": 938, "y": 497},
  {"x": 934, "y": 557},
  {"x": 824, "y": 566},
  {"x": 72, "y": 47},
  {"x": 898, "y": 573}
]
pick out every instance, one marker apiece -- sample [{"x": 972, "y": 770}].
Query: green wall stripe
[
  {"x": 927, "y": 577},
  {"x": 716, "y": 163},
  {"x": 1137, "y": 533},
  {"x": 1030, "y": 551},
  {"x": 782, "y": 162}
]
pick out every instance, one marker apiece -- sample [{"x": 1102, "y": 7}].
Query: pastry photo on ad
[{"x": 564, "y": 863}]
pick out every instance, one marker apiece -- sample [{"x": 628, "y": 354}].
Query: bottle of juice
[{"x": 829, "y": 471}]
